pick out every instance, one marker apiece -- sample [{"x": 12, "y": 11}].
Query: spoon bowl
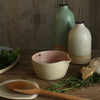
[
  {"x": 28, "y": 88},
  {"x": 11, "y": 95}
]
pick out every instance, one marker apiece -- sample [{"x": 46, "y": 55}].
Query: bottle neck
[
  {"x": 64, "y": 7},
  {"x": 80, "y": 24}
]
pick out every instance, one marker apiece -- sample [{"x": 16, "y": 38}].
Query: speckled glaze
[
  {"x": 51, "y": 65},
  {"x": 79, "y": 44}
]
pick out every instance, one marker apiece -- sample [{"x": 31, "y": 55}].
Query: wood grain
[{"x": 24, "y": 70}]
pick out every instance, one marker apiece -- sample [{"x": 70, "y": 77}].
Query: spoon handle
[
  {"x": 50, "y": 93},
  {"x": 59, "y": 95}
]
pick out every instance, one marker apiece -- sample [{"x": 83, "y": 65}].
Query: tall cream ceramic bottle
[{"x": 79, "y": 44}]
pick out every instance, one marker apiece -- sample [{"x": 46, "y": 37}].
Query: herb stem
[{"x": 74, "y": 81}]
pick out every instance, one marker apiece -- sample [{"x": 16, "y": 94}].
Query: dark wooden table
[{"x": 24, "y": 70}]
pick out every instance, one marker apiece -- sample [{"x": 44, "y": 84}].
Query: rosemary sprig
[{"x": 74, "y": 81}]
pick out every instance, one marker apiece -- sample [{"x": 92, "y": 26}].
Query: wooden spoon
[{"x": 29, "y": 88}]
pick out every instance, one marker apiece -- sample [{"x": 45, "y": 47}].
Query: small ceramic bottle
[
  {"x": 63, "y": 23},
  {"x": 79, "y": 44}
]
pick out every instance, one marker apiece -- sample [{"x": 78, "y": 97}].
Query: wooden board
[{"x": 24, "y": 70}]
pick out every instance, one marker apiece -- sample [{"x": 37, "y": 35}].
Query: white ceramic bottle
[{"x": 79, "y": 44}]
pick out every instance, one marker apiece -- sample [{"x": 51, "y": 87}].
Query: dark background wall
[{"x": 28, "y": 24}]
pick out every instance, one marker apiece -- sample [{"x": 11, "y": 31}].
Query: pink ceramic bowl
[{"x": 51, "y": 65}]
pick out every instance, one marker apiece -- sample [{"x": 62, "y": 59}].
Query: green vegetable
[
  {"x": 7, "y": 57},
  {"x": 74, "y": 81}
]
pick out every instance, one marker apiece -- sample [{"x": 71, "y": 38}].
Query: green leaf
[
  {"x": 74, "y": 81},
  {"x": 7, "y": 57}
]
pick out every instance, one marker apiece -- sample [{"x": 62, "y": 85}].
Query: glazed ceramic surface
[
  {"x": 50, "y": 65},
  {"x": 6, "y": 93},
  {"x": 10, "y": 66},
  {"x": 63, "y": 23},
  {"x": 79, "y": 44}
]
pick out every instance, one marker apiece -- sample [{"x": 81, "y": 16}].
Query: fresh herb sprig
[
  {"x": 74, "y": 81},
  {"x": 7, "y": 57}
]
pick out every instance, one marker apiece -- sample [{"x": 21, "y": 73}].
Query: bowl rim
[
  {"x": 51, "y": 51},
  {"x": 3, "y": 70}
]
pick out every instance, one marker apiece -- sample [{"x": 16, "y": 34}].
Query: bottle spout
[
  {"x": 79, "y": 19},
  {"x": 63, "y": 2},
  {"x": 79, "y": 15}
]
